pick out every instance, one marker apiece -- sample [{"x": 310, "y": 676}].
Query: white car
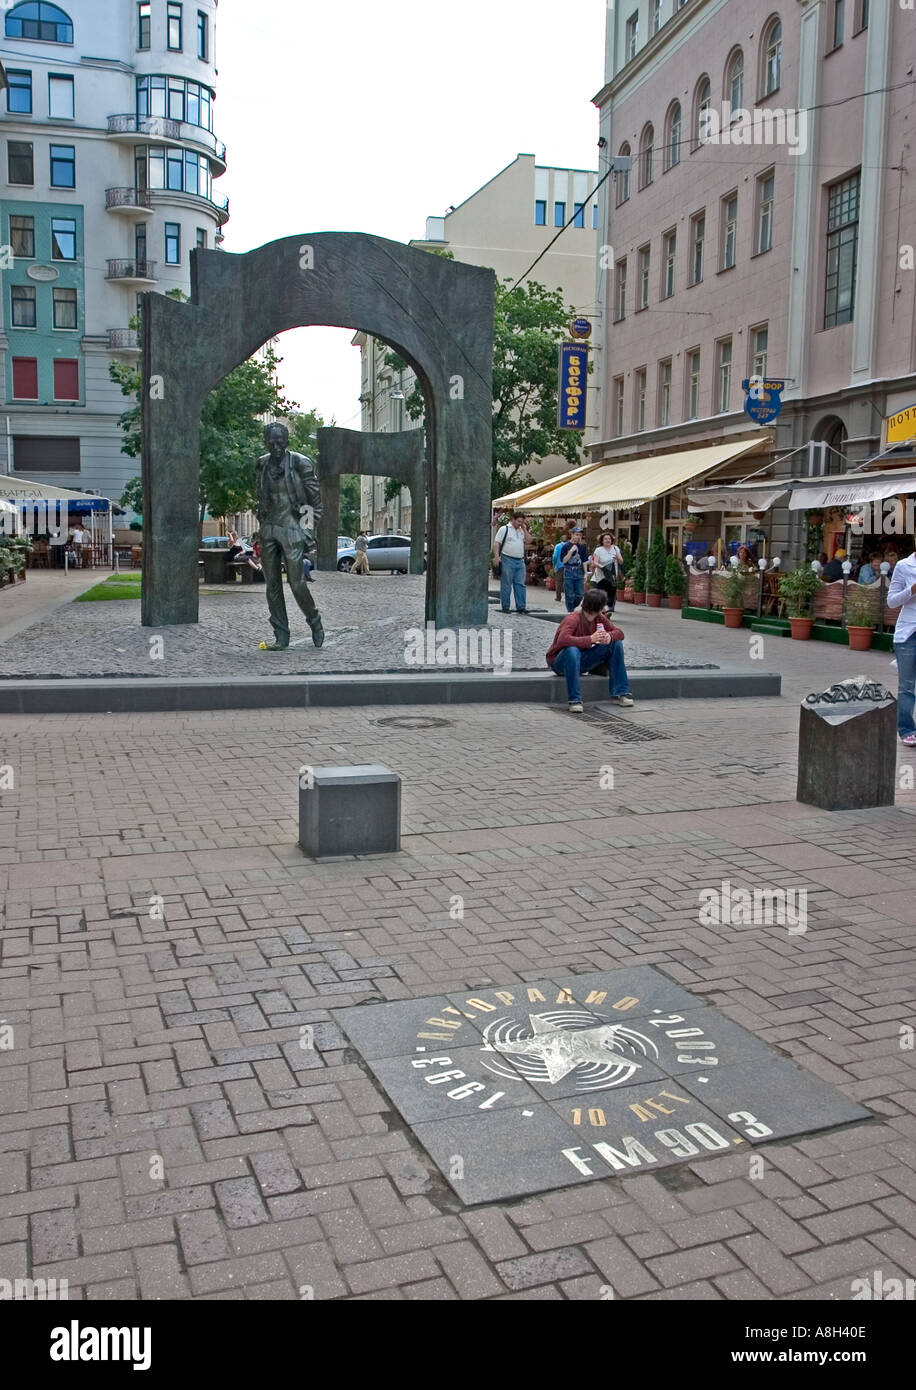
[{"x": 390, "y": 553}]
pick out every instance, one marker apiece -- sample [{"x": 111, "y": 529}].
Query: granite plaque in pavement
[{"x": 534, "y": 1086}]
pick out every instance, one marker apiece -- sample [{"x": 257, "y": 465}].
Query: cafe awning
[
  {"x": 849, "y": 489},
  {"x": 24, "y": 490},
  {"x": 633, "y": 482},
  {"x": 737, "y": 497},
  {"x": 525, "y": 494}
]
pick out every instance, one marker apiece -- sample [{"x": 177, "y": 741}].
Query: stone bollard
[
  {"x": 350, "y": 810},
  {"x": 847, "y": 747}
]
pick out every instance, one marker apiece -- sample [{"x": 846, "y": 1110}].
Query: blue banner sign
[
  {"x": 763, "y": 401},
  {"x": 571, "y": 393}
]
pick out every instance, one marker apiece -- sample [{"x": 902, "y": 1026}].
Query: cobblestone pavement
[
  {"x": 365, "y": 621},
  {"x": 164, "y": 1135}
]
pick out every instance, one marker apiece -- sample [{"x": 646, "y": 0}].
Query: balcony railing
[
  {"x": 122, "y": 340},
  {"x": 127, "y": 198},
  {"x": 221, "y": 202},
  {"x": 131, "y": 269},
  {"x": 130, "y": 124}
]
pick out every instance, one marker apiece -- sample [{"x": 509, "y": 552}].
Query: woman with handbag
[{"x": 605, "y": 562}]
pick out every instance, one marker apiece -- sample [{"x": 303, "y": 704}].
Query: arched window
[
  {"x": 772, "y": 57},
  {"x": 701, "y": 106},
  {"x": 646, "y": 156},
  {"x": 36, "y": 19},
  {"x": 623, "y": 176},
  {"x": 734, "y": 81},
  {"x": 673, "y": 136}
]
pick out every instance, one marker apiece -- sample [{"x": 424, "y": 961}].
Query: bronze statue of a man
[{"x": 289, "y": 506}]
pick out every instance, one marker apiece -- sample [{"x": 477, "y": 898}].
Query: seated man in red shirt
[{"x": 586, "y": 639}]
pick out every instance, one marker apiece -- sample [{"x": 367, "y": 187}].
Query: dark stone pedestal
[
  {"x": 847, "y": 748},
  {"x": 350, "y": 810}
]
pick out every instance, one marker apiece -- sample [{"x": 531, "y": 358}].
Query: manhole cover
[
  {"x": 612, "y": 725},
  {"x": 414, "y": 721}
]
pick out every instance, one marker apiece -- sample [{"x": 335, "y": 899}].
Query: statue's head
[{"x": 276, "y": 437}]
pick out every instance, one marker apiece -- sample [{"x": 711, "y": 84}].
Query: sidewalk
[{"x": 24, "y": 605}]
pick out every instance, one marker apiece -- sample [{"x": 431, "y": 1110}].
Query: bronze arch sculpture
[
  {"x": 437, "y": 314},
  {"x": 401, "y": 456}
]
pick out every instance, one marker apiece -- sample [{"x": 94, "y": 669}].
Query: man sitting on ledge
[{"x": 585, "y": 640}]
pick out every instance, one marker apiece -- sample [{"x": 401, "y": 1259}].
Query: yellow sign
[{"x": 902, "y": 426}]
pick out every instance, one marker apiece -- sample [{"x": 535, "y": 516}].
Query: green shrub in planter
[
  {"x": 861, "y": 608},
  {"x": 655, "y": 565},
  {"x": 798, "y": 589},
  {"x": 675, "y": 579},
  {"x": 626, "y": 551},
  {"x": 735, "y": 581},
  {"x": 639, "y": 567}
]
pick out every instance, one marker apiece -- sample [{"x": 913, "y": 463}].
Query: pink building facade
[{"x": 763, "y": 229}]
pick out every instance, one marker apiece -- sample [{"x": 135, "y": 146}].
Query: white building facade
[{"x": 108, "y": 159}]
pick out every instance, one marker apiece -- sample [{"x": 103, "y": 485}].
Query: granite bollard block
[
  {"x": 350, "y": 810},
  {"x": 847, "y": 747}
]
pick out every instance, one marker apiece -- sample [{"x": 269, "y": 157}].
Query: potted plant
[
  {"x": 733, "y": 605},
  {"x": 675, "y": 581},
  {"x": 550, "y": 582},
  {"x": 692, "y": 520},
  {"x": 639, "y": 572},
  {"x": 655, "y": 569},
  {"x": 860, "y": 618},
  {"x": 798, "y": 590}
]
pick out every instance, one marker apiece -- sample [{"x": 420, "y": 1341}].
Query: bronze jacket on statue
[{"x": 301, "y": 483}]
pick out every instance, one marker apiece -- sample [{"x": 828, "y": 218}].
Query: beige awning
[
  {"x": 633, "y": 482},
  {"x": 525, "y": 494},
  {"x": 850, "y": 489}
]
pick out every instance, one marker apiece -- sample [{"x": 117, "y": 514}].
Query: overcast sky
[{"x": 359, "y": 116}]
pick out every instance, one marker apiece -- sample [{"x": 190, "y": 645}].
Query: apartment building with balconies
[
  {"x": 108, "y": 158},
  {"x": 759, "y": 232}
]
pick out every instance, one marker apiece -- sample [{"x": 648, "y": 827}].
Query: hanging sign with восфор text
[{"x": 571, "y": 392}]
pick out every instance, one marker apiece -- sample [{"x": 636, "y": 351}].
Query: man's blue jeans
[
  {"x": 573, "y": 586},
  {"x": 511, "y": 578},
  {"x": 905, "y": 653},
  {"x": 573, "y": 661}
]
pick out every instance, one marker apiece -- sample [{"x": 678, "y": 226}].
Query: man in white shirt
[
  {"x": 80, "y": 538},
  {"x": 902, "y": 595},
  {"x": 509, "y": 557}
]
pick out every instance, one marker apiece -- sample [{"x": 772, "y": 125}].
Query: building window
[
  {"x": 201, "y": 238},
  {"x": 697, "y": 241},
  {"x": 656, "y": 15},
  {"x": 620, "y": 290},
  {"x": 724, "y": 376},
  {"x": 701, "y": 106},
  {"x": 60, "y": 96},
  {"x": 19, "y": 92},
  {"x": 36, "y": 19},
  {"x": 646, "y": 156},
  {"x": 842, "y": 249},
  {"x": 22, "y": 235},
  {"x": 729, "y": 230},
  {"x": 20, "y": 162},
  {"x": 25, "y": 379},
  {"x": 63, "y": 166},
  {"x": 693, "y": 384},
  {"x": 861, "y": 20},
  {"x": 772, "y": 58},
  {"x": 33, "y": 454},
  {"x": 618, "y": 405},
  {"x": 559, "y": 214},
  {"x": 631, "y": 40},
  {"x": 177, "y": 98},
  {"x": 578, "y": 214},
  {"x": 622, "y": 177},
  {"x": 839, "y": 23},
  {"x": 173, "y": 22},
  {"x": 66, "y": 379},
  {"x": 594, "y": 217},
  {"x": 63, "y": 239},
  {"x": 673, "y": 141},
  {"x": 140, "y": 247},
  {"x": 669, "y": 252},
  {"x": 766, "y": 185},
  {"x": 735, "y": 81},
  {"x": 182, "y": 171},
  {"x": 23, "y": 305},
  {"x": 540, "y": 212},
  {"x": 64, "y": 308},
  {"x": 203, "y": 37},
  {"x": 639, "y": 402},
  {"x": 143, "y": 25},
  {"x": 664, "y": 393},
  {"x": 645, "y": 256},
  {"x": 172, "y": 243},
  {"x": 760, "y": 341}
]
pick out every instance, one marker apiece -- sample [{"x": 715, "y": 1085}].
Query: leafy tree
[{"x": 655, "y": 565}]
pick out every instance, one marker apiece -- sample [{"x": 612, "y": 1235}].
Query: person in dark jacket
[{"x": 586, "y": 639}]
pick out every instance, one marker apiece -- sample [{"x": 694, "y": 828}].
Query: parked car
[
  {"x": 222, "y": 543},
  {"x": 345, "y": 542},
  {"x": 390, "y": 553}
]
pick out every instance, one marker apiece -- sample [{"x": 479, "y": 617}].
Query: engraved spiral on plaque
[{"x": 550, "y": 1045}]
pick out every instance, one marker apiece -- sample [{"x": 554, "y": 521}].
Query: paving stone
[{"x": 240, "y": 1202}]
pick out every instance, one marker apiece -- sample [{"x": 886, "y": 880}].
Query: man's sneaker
[
  {"x": 909, "y": 740},
  {"x": 624, "y": 700},
  {"x": 576, "y": 707}
]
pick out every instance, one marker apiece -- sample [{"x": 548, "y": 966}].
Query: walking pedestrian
[
  {"x": 586, "y": 639},
  {"x": 902, "y": 595},
  {"x": 573, "y": 557},
  {"x": 605, "y": 574},
  {"x": 558, "y": 571},
  {"x": 509, "y": 557},
  {"x": 361, "y": 563}
]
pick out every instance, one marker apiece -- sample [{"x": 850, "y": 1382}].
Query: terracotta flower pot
[
  {"x": 654, "y": 600},
  {"x": 550, "y": 582},
  {"x": 801, "y": 628},
  {"x": 734, "y": 617},
  {"x": 859, "y": 638},
  {"x": 638, "y": 598},
  {"x": 675, "y": 600}
]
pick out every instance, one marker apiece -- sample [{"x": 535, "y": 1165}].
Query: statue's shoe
[{"x": 317, "y": 632}]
